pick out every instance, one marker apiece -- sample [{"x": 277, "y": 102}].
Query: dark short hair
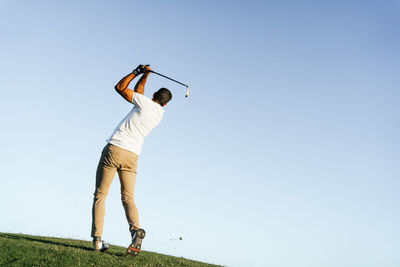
[{"x": 162, "y": 96}]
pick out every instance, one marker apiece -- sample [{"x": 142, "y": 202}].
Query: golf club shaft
[{"x": 169, "y": 78}]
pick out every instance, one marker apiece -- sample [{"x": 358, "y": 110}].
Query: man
[{"x": 121, "y": 154}]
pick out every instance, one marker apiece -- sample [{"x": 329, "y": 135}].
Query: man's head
[{"x": 162, "y": 96}]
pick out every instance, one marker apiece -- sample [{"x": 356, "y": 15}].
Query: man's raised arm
[{"x": 122, "y": 85}]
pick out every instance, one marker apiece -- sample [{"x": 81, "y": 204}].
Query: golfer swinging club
[{"x": 121, "y": 154}]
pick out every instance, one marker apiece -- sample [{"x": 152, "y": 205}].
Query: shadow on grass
[{"x": 34, "y": 239}]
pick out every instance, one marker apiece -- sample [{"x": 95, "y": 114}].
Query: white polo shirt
[{"x": 131, "y": 131}]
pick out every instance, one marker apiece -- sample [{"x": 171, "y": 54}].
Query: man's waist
[{"x": 132, "y": 147}]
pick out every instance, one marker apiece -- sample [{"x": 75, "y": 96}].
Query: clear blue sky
[{"x": 286, "y": 153}]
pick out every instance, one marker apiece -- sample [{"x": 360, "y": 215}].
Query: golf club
[{"x": 187, "y": 86}]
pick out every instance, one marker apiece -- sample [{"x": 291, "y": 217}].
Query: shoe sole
[{"x": 134, "y": 248}]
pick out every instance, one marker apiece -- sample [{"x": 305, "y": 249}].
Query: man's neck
[{"x": 156, "y": 102}]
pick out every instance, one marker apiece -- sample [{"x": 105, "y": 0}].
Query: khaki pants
[{"x": 115, "y": 159}]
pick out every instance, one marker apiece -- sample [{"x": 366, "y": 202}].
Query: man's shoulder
[
  {"x": 144, "y": 101},
  {"x": 140, "y": 99},
  {"x": 138, "y": 95}
]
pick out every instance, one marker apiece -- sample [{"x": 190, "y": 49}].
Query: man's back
[{"x": 140, "y": 121}]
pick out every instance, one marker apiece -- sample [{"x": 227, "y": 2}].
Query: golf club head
[{"x": 187, "y": 92}]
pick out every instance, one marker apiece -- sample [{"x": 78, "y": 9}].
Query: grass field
[{"x": 27, "y": 250}]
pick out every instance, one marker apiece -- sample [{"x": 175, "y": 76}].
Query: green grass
[{"x": 27, "y": 250}]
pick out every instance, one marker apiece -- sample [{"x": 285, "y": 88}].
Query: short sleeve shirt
[{"x": 137, "y": 124}]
